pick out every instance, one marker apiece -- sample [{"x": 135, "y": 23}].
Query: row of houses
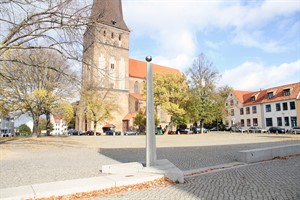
[
  {"x": 9, "y": 126},
  {"x": 277, "y": 106}
]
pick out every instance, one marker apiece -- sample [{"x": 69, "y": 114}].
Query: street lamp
[{"x": 150, "y": 126}]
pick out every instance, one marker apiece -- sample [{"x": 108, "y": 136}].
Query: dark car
[
  {"x": 198, "y": 130},
  {"x": 73, "y": 132},
  {"x": 276, "y": 130},
  {"x": 111, "y": 132},
  {"x": 183, "y": 131},
  {"x": 91, "y": 132}
]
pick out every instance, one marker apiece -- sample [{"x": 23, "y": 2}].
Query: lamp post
[{"x": 150, "y": 126}]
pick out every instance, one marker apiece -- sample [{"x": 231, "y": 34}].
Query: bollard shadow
[{"x": 195, "y": 157}]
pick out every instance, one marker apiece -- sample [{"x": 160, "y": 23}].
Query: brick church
[{"x": 106, "y": 64}]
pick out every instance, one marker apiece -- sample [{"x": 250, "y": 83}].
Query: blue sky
[{"x": 253, "y": 44}]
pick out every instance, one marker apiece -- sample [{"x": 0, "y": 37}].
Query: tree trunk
[
  {"x": 168, "y": 128},
  {"x": 35, "y": 130},
  {"x": 201, "y": 125},
  {"x": 48, "y": 124}
]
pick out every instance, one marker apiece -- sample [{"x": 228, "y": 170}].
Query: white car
[{"x": 295, "y": 129}]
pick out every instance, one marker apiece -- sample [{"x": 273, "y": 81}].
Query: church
[{"x": 107, "y": 66}]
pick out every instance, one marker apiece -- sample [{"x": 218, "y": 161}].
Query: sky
[{"x": 253, "y": 44}]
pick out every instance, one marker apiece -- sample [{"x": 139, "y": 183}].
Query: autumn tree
[
  {"x": 97, "y": 104},
  {"x": 33, "y": 89},
  {"x": 202, "y": 82},
  {"x": 170, "y": 93}
]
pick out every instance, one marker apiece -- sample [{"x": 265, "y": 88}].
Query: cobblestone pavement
[
  {"x": 39, "y": 160},
  {"x": 271, "y": 180}
]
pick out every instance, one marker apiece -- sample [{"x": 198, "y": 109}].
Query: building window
[
  {"x": 278, "y": 108},
  {"x": 247, "y": 110},
  {"x": 279, "y": 121},
  {"x": 255, "y": 122},
  {"x": 292, "y": 105},
  {"x": 136, "y": 87},
  {"x": 232, "y": 112},
  {"x": 242, "y": 122},
  {"x": 231, "y": 102},
  {"x": 248, "y": 122},
  {"x": 112, "y": 35},
  {"x": 269, "y": 122},
  {"x": 253, "y": 98},
  {"x": 226, "y": 104},
  {"x": 241, "y": 111},
  {"x": 104, "y": 33},
  {"x": 120, "y": 37},
  {"x": 284, "y": 106},
  {"x": 254, "y": 109},
  {"x": 270, "y": 95},
  {"x": 112, "y": 66},
  {"x": 268, "y": 108},
  {"x": 286, "y": 121},
  {"x": 294, "y": 121},
  {"x": 286, "y": 92}
]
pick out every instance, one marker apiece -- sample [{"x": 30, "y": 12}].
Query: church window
[
  {"x": 104, "y": 33},
  {"x": 112, "y": 66},
  {"x": 112, "y": 35},
  {"x": 136, "y": 105},
  {"x": 136, "y": 87},
  {"x": 120, "y": 37}
]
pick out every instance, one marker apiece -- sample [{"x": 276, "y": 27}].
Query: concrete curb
[
  {"x": 68, "y": 187},
  {"x": 268, "y": 153}
]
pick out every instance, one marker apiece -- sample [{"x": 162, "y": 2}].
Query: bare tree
[{"x": 202, "y": 82}]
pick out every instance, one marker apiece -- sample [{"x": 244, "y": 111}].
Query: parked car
[
  {"x": 72, "y": 132},
  {"x": 198, "y": 130},
  {"x": 130, "y": 132},
  {"x": 91, "y": 132},
  {"x": 295, "y": 129},
  {"x": 276, "y": 130},
  {"x": 256, "y": 129},
  {"x": 112, "y": 132},
  {"x": 237, "y": 129},
  {"x": 183, "y": 131}
]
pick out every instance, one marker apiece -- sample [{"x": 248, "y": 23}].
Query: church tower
[{"x": 105, "y": 58}]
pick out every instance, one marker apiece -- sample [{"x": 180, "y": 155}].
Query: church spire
[{"x": 109, "y": 12}]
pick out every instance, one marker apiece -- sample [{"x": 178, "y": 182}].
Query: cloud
[
  {"x": 253, "y": 76},
  {"x": 172, "y": 25}
]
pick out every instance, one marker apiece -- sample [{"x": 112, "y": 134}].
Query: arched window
[{"x": 136, "y": 87}]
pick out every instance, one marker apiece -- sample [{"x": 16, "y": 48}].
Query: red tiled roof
[
  {"x": 138, "y": 69},
  {"x": 109, "y": 126},
  {"x": 137, "y": 96},
  {"x": 130, "y": 116},
  {"x": 240, "y": 94},
  {"x": 262, "y": 95}
]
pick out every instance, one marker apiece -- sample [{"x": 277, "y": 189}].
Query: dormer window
[
  {"x": 270, "y": 95},
  {"x": 286, "y": 92},
  {"x": 253, "y": 98}
]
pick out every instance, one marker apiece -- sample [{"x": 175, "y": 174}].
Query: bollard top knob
[{"x": 148, "y": 58}]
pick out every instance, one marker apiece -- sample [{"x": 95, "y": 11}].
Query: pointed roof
[
  {"x": 240, "y": 94},
  {"x": 138, "y": 69},
  {"x": 137, "y": 96},
  {"x": 109, "y": 12}
]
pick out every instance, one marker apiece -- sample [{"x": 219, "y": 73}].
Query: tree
[
  {"x": 54, "y": 25},
  {"x": 202, "y": 83},
  {"x": 43, "y": 125},
  {"x": 24, "y": 130},
  {"x": 32, "y": 89},
  {"x": 170, "y": 93},
  {"x": 97, "y": 105},
  {"x": 140, "y": 120}
]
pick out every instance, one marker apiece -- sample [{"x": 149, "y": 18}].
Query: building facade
[
  {"x": 107, "y": 67},
  {"x": 278, "y": 106},
  {"x": 59, "y": 125}
]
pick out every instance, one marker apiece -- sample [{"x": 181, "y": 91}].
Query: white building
[
  {"x": 278, "y": 106},
  {"x": 59, "y": 125}
]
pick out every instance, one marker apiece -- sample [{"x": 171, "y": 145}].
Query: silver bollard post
[{"x": 150, "y": 127}]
